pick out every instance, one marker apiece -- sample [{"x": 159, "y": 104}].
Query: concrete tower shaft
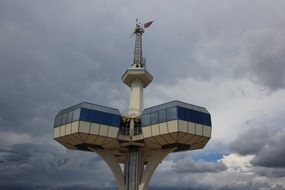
[
  {"x": 136, "y": 97},
  {"x": 138, "y": 78}
]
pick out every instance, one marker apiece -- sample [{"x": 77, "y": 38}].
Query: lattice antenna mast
[
  {"x": 139, "y": 61},
  {"x": 138, "y": 54}
]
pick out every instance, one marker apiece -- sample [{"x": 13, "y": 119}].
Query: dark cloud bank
[
  {"x": 189, "y": 166},
  {"x": 30, "y": 166},
  {"x": 55, "y": 54},
  {"x": 267, "y": 146}
]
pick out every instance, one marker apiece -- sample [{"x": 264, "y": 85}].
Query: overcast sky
[{"x": 227, "y": 56}]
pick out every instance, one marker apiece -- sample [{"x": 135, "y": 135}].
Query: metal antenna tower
[{"x": 138, "y": 54}]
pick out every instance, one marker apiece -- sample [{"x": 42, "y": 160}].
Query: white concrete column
[
  {"x": 153, "y": 162},
  {"x": 114, "y": 165},
  {"x": 136, "y": 97},
  {"x": 144, "y": 175}
]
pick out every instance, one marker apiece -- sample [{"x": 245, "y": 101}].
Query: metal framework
[{"x": 138, "y": 54}]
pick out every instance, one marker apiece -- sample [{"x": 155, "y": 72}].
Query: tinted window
[
  {"x": 171, "y": 113},
  {"x": 76, "y": 114},
  {"x": 116, "y": 120},
  {"x": 192, "y": 116},
  {"x": 69, "y": 117},
  {"x": 63, "y": 119},
  {"x": 104, "y": 119},
  {"x": 154, "y": 118},
  {"x": 199, "y": 118},
  {"x": 83, "y": 114},
  {"x": 57, "y": 120},
  {"x": 187, "y": 114},
  {"x": 207, "y": 120},
  {"x": 182, "y": 113},
  {"x": 146, "y": 120},
  {"x": 162, "y": 116}
]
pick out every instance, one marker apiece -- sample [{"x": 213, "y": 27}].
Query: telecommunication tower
[{"x": 139, "y": 139}]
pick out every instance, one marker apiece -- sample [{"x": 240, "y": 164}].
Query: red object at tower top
[{"x": 147, "y": 24}]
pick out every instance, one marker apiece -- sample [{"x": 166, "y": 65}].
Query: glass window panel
[
  {"x": 171, "y": 113},
  {"x": 93, "y": 116},
  {"x": 96, "y": 117},
  {"x": 101, "y": 117},
  {"x": 208, "y": 118},
  {"x": 187, "y": 114},
  {"x": 83, "y": 114},
  {"x": 63, "y": 119},
  {"x": 199, "y": 118},
  {"x": 57, "y": 120},
  {"x": 210, "y": 121},
  {"x": 116, "y": 120},
  {"x": 162, "y": 116},
  {"x": 76, "y": 114},
  {"x": 192, "y": 116},
  {"x": 154, "y": 118},
  {"x": 204, "y": 118},
  {"x": 89, "y": 114},
  {"x": 109, "y": 118},
  {"x": 104, "y": 118},
  {"x": 146, "y": 120},
  {"x": 69, "y": 117},
  {"x": 181, "y": 113}
]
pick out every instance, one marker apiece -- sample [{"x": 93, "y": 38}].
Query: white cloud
[{"x": 237, "y": 163}]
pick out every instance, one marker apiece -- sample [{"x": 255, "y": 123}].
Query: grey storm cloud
[
  {"x": 252, "y": 186},
  {"x": 265, "y": 143},
  {"x": 30, "y": 166},
  {"x": 189, "y": 166},
  {"x": 248, "y": 186},
  {"x": 272, "y": 153},
  {"x": 50, "y": 61},
  {"x": 263, "y": 58},
  {"x": 270, "y": 172},
  {"x": 267, "y": 146},
  {"x": 252, "y": 141},
  {"x": 54, "y": 54}
]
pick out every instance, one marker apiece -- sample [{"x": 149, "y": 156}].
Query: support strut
[{"x": 136, "y": 176}]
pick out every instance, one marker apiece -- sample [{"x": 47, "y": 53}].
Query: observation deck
[{"x": 175, "y": 124}]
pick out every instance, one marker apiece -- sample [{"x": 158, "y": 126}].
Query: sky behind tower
[{"x": 227, "y": 56}]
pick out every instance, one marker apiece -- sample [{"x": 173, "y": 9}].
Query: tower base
[{"x": 137, "y": 174}]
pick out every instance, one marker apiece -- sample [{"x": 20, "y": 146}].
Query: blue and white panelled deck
[
  {"x": 176, "y": 124},
  {"x": 86, "y": 126}
]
